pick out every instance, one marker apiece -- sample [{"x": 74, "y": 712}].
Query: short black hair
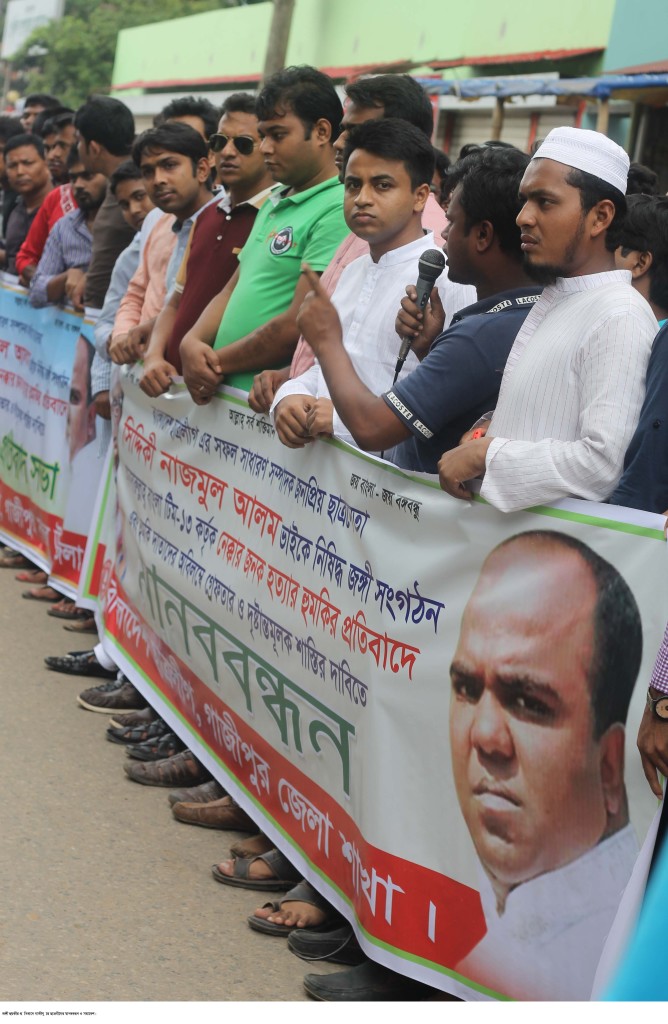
[
  {"x": 490, "y": 179},
  {"x": 239, "y": 103},
  {"x": 127, "y": 171},
  {"x": 442, "y": 162},
  {"x": 51, "y": 121},
  {"x": 73, "y": 157},
  {"x": 26, "y": 139},
  {"x": 175, "y": 137},
  {"x": 108, "y": 122},
  {"x": 190, "y": 106},
  {"x": 617, "y": 630},
  {"x": 394, "y": 139},
  {"x": 9, "y": 126},
  {"x": 399, "y": 95},
  {"x": 642, "y": 181},
  {"x": 41, "y": 99},
  {"x": 305, "y": 91},
  {"x": 645, "y": 228},
  {"x": 593, "y": 190}
]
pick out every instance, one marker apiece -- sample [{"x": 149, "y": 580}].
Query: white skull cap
[{"x": 587, "y": 151}]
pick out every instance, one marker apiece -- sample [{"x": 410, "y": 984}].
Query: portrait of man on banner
[
  {"x": 81, "y": 434},
  {"x": 549, "y": 650}
]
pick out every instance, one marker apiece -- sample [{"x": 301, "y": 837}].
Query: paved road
[{"x": 103, "y": 895}]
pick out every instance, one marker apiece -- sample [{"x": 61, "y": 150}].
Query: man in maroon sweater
[{"x": 217, "y": 238}]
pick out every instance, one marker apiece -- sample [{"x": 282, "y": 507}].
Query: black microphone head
[{"x": 431, "y": 264}]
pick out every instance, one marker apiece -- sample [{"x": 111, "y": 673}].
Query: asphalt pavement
[{"x": 104, "y": 895}]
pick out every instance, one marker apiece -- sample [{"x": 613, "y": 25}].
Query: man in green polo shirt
[{"x": 252, "y": 324}]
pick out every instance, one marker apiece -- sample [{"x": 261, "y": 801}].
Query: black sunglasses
[{"x": 243, "y": 143}]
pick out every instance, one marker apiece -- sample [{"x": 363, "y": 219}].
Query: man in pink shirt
[
  {"x": 175, "y": 168},
  {"x": 369, "y": 98}
]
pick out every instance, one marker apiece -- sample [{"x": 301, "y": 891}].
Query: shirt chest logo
[{"x": 281, "y": 241}]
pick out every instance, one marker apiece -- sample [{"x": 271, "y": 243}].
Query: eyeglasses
[{"x": 244, "y": 144}]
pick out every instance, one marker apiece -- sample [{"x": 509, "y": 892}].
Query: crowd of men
[{"x": 537, "y": 365}]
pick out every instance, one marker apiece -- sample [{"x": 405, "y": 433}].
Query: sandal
[
  {"x": 254, "y": 846},
  {"x": 303, "y": 892},
  {"x": 32, "y": 576},
  {"x": 67, "y": 609},
  {"x": 81, "y": 625},
  {"x": 14, "y": 560},
  {"x": 285, "y": 874},
  {"x": 42, "y": 594},
  {"x": 165, "y": 746},
  {"x": 138, "y": 733}
]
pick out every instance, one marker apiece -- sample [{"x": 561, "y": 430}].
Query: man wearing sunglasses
[
  {"x": 218, "y": 236},
  {"x": 251, "y": 323}
]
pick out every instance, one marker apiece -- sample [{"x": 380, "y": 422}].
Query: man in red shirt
[{"x": 218, "y": 236}]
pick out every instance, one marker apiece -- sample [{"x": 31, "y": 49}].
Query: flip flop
[
  {"x": 14, "y": 560},
  {"x": 285, "y": 875},
  {"x": 32, "y": 576},
  {"x": 68, "y": 610},
  {"x": 304, "y": 893},
  {"x": 82, "y": 625},
  {"x": 47, "y": 594}
]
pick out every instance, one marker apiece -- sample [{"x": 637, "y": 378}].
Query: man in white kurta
[{"x": 575, "y": 378}]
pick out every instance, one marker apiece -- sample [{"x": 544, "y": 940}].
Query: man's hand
[
  {"x": 265, "y": 386},
  {"x": 130, "y": 347},
  {"x": 201, "y": 372},
  {"x": 653, "y": 747},
  {"x": 27, "y": 274},
  {"x": 119, "y": 349},
  {"x": 138, "y": 339},
  {"x": 75, "y": 285},
  {"x": 461, "y": 464},
  {"x": 320, "y": 420},
  {"x": 474, "y": 433},
  {"x": 157, "y": 376},
  {"x": 422, "y": 327},
  {"x": 290, "y": 419},
  {"x": 102, "y": 405},
  {"x": 317, "y": 318}
]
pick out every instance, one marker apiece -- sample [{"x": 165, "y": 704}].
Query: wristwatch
[{"x": 659, "y": 705}]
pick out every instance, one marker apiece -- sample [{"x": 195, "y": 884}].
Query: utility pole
[{"x": 279, "y": 35}]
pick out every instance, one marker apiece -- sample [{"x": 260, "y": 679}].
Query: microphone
[{"x": 430, "y": 267}]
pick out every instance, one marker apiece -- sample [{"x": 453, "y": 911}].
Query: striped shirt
[
  {"x": 571, "y": 393},
  {"x": 69, "y": 244}
]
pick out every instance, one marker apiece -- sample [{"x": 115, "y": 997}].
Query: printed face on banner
[
  {"x": 81, "y": 412},
  {"x": 538, "y": 779}
]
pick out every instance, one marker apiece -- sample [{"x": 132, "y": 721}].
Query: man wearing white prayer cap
[{"x": 574, "y": 381}]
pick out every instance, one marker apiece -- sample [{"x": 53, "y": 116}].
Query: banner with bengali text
[
  {"x": 49, "y": 463},
  {"x": 417, "y": 699}
]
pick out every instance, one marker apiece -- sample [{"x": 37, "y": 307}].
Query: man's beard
[
  {"x": 547, "y": 273},
  {"x": 542, "y": 274}
]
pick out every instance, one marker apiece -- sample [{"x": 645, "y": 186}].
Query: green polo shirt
[{"x": 288, "y": 230}]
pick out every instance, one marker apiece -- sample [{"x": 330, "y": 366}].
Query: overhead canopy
[{"x": 619, "y": 86}]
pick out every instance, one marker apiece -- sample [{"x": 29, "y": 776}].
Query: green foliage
[{"x": 81, "y": 46}]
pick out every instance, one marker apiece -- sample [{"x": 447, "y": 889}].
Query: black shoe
[
  {"x": 365, "y": 984},
  {"x": 336, "y": 945},
  {"x": 80, "y": 663}
]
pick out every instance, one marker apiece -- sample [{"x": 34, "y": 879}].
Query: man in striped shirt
[
  {"x": 68, "y": 248},
  {"x": 575, "y": 379}
]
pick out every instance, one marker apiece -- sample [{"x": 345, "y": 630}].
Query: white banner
[{"x": 422, "y": 701}]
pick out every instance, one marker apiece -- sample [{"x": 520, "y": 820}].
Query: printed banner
[
  {"x": 49, "y": 464},
  {"x": 36, "y": 355},
  {"x": 423, "y": 702}
]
